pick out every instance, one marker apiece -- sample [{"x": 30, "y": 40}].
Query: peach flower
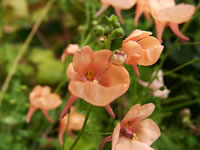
[
  {"x": 142, "y": 49},
  {"x": 142, "y": 6},
  {"x": 71, "y": 49},
  {"x": 94, "y": 79},
  {"x": 134, "y": 131},
  {"x": 42, "y": 98},
  {"x": 156, "y": 85},
  {"x": 167, "y": 13},
  {"x": 118, "y": 5},
  {"x": 76, "y": 121}
]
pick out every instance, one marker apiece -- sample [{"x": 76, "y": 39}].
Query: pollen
[
  {"x": 95, "y": 81},
  {"x": 134, "y": 136},
  {"x": 89, "y": 74},
  {"x": 128, "y": 123}
]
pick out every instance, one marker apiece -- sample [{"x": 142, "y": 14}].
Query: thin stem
[
  {"x": 60, "y": 85},
  {"x": 182, "y": 105},
  {"x": 83, "y": 128},
  {"x": 174, "y": 99},
  {"x": 182, "y": 66},
  {"x": 191, "y": 43},
  {"x": 24, "y": 48},
  {"x": 99, "y": 133},
  {"x": 108, "y": 41}
]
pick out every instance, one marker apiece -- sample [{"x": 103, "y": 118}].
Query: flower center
[
  {"x": 128, "y": 124},
  {"x": 126, "y": 132},
  {"x": 90, "y": 75}
]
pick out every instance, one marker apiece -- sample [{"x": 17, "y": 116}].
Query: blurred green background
[{"x": 72, "y": 21}]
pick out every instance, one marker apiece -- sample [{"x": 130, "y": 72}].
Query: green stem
[
  {"x": 99, "y": 133},
  {"x": 190, "y": 43},
  {"x": 182, "y": 66},
  {"x": 173, "y": 99},
  {"x": 24, "y": 48},
  {"x": 87, "y": 24},
  {"x": 83, "y": 128},
  {"x": 182, "y": 105},
  {"x": 60, "y": 85},
  {"x": 86, "y": 40},
  {"x": 108, "y": 41}
]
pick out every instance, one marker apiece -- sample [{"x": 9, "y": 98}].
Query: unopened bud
[
  {"x": 113, "y": 20},
  {"x": 81, "y": 28},
  {"x": 118, "y": 33},
  {"x": 185, "y": 112},
  {"x": 162, "y": 88},
  {"x": 118, "y": 57},
  {"x": 108, "y": 30},
  {"x": 99, "y": 30}
]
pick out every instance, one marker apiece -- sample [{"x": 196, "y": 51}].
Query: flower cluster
[
  {"x": 164, "y": 12},
  {"x": 99, "y": 78}
]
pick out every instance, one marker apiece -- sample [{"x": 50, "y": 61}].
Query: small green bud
[
  {"x": 118, "y": 33},
  {"x": 113, "y": 20},
  {"x": 81, "y": 28},
  {"x": 94, "y": 22},
  {"x": 108, "y": 30},
  {"x": 162, "y": 88},
  {"x": 99, "y": 30}
]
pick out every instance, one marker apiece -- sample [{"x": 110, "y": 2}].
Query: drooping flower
[
  {"x": 142, "y": 6},
  {"x": 42, "y": 98},
  {"x": 167, "y": 13},
  {"x": 118, "y": 5},
  {"x": 76, "y": 121},
  {"x": 156, "y": 85},
  {"x": 142, "y": 49},
  {"x": 71, "y": 49},
  {"x": 135, "y": 132},
  {"x": 94, "y": 79}
]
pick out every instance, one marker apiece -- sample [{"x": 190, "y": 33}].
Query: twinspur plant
[{"x": 85, "y": 55}]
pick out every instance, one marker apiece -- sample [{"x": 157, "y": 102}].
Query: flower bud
[
  {"x": 99, "y": 30},
  {"x": 118, "y": 57},
  {"x": 113, "y": 20},
  {"x": 185, "y": 112},
  {"x": 108, "y": 30},
  {"x": 162, "y": 88},
  {"x": 118, "y": 33}
]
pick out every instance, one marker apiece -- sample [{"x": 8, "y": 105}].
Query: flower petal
[
  {"x": 132, "y": 113},
  {"x": 131, "y": 48},
  {"x": 70, "y": 50},
  {"x": 70, "y": 71},
  {"x": 125, "y": 4},
  {"x": 151, "y": 51},
  {"x": 137, "y": 35},
  {"x": 76, "y": 121},
  {"x": 147, "y": 131},
  {"x": 101, "y": 60},
  {"x": 140, "y": 145},
  {"x": 82, "y": 59},
  {"x": 48, "y": 102},
  {"x": 111, "y": 84},
  {"x": 115, "y": 136},
  {"x": 145, "y": 111},
  {"x": 178, "y": 14},
  {"x": 162, "y": 94},
  {"x": 128, "y": 144}
]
